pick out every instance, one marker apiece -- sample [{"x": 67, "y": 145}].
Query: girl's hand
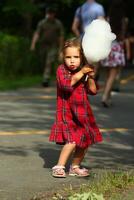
[
  {"x": 86, "y": 69},
  {"x": 91, "y": 74}
]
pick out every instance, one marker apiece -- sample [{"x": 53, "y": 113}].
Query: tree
[{"x": 23, "y": 9}]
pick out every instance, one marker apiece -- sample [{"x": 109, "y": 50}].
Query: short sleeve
[
  {"x": 100, "y": 11},
  {"x": 64, "y": 79},
  {"x": 39, "y": 26}
]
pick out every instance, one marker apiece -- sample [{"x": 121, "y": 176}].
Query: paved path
[{"x": 26, "y": 156}]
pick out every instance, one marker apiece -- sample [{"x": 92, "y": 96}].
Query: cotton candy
[{"x": 97, "y": 40}]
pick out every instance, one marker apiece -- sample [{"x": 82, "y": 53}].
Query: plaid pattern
[{"x": 74, "y": 118}]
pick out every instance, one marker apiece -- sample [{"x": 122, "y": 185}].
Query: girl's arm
[
  {"x": 92, "y": 87},
  {"x": 64, "y": 79},
  {"x": 76, "y": 77}
]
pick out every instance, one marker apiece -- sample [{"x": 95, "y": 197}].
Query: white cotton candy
[{"x": 97, "y": 40}]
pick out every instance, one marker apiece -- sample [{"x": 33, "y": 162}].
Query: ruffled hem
[{"x": 68, "y": 133}]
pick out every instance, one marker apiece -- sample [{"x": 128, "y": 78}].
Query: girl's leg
[
  {"x": 75, "y": 169},
  {"x": 59, "y": 169},
  {"x": 78, "y": 156},
  {"x": 65, "y": 154},
  {"x": 109, "y": 83}
]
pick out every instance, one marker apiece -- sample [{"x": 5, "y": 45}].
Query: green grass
[
  {"x": 112, "y": 184},
  {"x": 106, "y": 185},
  {"x": 20, "y": 82}
]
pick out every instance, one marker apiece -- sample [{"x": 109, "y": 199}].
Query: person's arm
[
  {"x": 75, "y": 27},
  {"x": 76, "y": 77},
  {"x": 64, "y": 79},
  {"x": 92, "y": 86},
  {"x": 34, "y": 40},
  {"x": 128, "y": 51},
  {"x": 77, "y": 22},
  {"x": 36, "y": 34}
]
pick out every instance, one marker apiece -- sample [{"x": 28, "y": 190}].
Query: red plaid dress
[{"x": 74, "y": 122}]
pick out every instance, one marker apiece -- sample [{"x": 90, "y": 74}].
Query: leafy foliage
[
  {"x": 22, "y": 7},
  {"x": 86, "y": 196},
  {"x": 15, "y": 57}
]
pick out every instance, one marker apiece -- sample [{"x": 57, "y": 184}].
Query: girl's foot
[
  {"x": 77, "y": 171},
  {"x": 58, "y": 171}
]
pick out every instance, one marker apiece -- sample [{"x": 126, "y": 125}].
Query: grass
[
  {"x": 111, "y": 184},
  {"x": 20, "y": 82},
  {"x": 102, "y": 186}
]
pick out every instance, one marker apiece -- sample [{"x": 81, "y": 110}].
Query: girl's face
[{"x": 72, "y": 58}]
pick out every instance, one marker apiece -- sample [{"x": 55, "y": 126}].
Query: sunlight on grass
[
  {"x": 27, "y": 81},
  {"x": 104, "y": 186}
]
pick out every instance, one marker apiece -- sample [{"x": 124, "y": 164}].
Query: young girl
[{"x": 75, "y": 125}]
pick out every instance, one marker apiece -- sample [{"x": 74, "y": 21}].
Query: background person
[
  {"x": 85, "y": 14},
  {"x": 129, "y": 43},
  {"x": 116, "y": 58},
  {"x": 50, "y": 34}
]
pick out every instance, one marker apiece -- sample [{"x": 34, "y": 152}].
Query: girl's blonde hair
[{"x": 73, "y": 42}]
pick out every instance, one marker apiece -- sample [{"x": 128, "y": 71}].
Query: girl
[{"x": 75, "y": 125}]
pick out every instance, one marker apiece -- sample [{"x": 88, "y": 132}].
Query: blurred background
[{"x": 18, "y": 20}]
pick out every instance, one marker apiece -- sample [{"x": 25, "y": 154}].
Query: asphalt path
[{"x": 26, "y": 155}]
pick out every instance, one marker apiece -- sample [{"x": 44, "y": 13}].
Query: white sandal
[
  {"x": 77, "y": 171},
  {"x": 58, "y": 171}
]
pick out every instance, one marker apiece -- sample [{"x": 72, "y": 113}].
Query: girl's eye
[
  {"x": 72, "y": 57},
  {"x": 68, "y": 57}
]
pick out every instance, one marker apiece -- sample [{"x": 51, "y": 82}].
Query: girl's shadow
[{"x": 50, "y": 157}]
